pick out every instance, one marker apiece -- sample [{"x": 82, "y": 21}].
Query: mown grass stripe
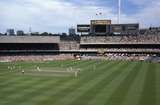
[
  {"x": 28, "y": 95},
  {"x": 101, "y": 97},
  {"x": 45, "y": 92},
  {"x": 119, "y": 95},
  {"x": 158, "y": 84},
  {"x": 87, "y": 71},
  {"x": 36, "y": 94},
  {"x": 84, "y": 87},
  {"x": 148, "y": 96},
  {"x": 136, "y": 89},
  {"x": 21, "y": 83},
  {"x": 72, "y": 86},
  {"x": 10, "y": 81},
  {"x": 72, "y": 63},
  {"x": 15, "y": 92},
  {"x": 60, "y": 82},
  {"x": 89, "y": 92},
  {"x": 65, "y": 63},
  {"x": 81, "y": 65},
  {"x": 19, "y": 90}
]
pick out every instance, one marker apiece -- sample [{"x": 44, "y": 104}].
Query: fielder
[
  {"x": 22, "y": 71},
  {"x": 38, "y": 69}
]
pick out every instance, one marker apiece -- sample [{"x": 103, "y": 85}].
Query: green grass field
[{"x": 98, "y": 83}]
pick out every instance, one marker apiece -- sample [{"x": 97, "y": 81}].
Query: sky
[{"x": 56, "y": 16}]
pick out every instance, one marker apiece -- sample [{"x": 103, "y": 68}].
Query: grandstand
[
  {"x": 28, "y": 44},
  {"x": 129, "y": 42},
  {"x": 67, "y": 47},
  {"x": 123, "y": 46}
]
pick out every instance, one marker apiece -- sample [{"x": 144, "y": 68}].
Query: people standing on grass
[
  {"x": 77, "y": 72},
  {"x": 22, "y": 71},
  {"x": 38, "y": 69}
]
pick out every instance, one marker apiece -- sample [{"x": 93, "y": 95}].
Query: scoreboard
[
  {"x": 100, "y": 22},
  {"x": 83, "y": 28},
  {"x": 105, "y": 27},
  {"x": 100, "y": 26}
]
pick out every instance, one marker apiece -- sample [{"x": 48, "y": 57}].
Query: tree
[{"x": 44, "y": 34}]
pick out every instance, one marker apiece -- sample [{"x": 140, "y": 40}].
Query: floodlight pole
[{"x": 119, "y": 11}]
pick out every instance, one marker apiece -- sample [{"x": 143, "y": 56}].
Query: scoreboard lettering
[{"x": 100, "y": 22}]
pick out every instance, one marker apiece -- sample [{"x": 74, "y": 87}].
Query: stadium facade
[{"x": 100, "y": 38}]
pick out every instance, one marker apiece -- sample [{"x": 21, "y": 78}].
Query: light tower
[{"x": 119, "y": 11}]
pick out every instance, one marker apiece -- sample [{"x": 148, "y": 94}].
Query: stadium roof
[{"x": 29, "y": 39}]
